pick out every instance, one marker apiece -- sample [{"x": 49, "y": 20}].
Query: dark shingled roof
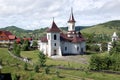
[
  {"x": 54, "y": 28},
  {"x": 64, "y": 37}
]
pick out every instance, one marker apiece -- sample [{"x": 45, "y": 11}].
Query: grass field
[{"x": 9, "y": 66}]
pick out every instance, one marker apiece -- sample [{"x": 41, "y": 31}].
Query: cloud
[{"x": 34, "y": 14}]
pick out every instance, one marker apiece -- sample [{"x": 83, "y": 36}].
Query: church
[{"x": 57, "y": 43}]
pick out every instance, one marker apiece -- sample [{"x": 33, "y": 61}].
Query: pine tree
[{"x": 42, "y": 59}]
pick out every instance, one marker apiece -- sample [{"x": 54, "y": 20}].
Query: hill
[
  {"x": 106, "y": 28},
  {"x": 17, "y": 31},
  {"x": 35, "y": 33}
]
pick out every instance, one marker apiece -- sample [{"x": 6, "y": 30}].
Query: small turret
[
  {"x": 114, "y": 37},
  {"x": 71, "y": 25},
  {"x": 71, "y": 22}
]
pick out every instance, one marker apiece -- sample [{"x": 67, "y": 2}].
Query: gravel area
[{"x": 83, "y": 59}]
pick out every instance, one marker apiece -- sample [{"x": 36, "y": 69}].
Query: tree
[
  {"x": 104, "y": 46},
  {"x": 35, "y": 43},
  {"x": 25, "y": 45},
  {"x": 42, "y": 59},
  {"x": 16, "y": 49}
]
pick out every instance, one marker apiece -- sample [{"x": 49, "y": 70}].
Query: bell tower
[
  {"x": 53, "y": 36},
  {"x": 71, "y": 25}
]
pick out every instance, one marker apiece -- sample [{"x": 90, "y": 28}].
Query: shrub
[
  {"x": 100, "y": 62},
  {"x": 25, "y": 66},
  {"x": 57, "y": 73},
  {"x": 36, "y": 68},
  {"x": 47, "y": 70},
  {"x": 0, "y": 61},
  {"x": 94, "y": 48}
]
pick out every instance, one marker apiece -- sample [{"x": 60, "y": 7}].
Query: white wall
[
  {"x": 51, "y": 44},
  {"x": 43, "y": 47},
  {"x": 71, "y": 26},
  {"x": 72, "y": 47}
]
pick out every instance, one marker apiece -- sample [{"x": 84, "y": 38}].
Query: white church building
[{"x": 58, "y": 43}]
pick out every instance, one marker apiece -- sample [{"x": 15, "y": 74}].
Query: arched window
[
  {"x": 55, "y": 37},
  {"x": 65, "y": 48}
]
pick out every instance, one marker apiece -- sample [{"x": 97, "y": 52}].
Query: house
[
  {"x": 7, "y": 37},
  {"x": 58, "y": 43}
]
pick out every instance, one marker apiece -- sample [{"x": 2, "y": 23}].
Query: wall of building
[
  {"x": 54, "y": 45},
  {"x": 43, "y": 47},
  {"x": 73, "y": 48}
]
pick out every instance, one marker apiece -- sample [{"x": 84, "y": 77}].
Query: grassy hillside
[
  {"x": 107, "y": 28},
  {"x": 14, "y": 66}
]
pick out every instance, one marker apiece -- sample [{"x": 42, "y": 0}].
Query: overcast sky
[{"x": 36, "y": 14}]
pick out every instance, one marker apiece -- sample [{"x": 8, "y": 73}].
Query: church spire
[{"x": 71, "y": 19}]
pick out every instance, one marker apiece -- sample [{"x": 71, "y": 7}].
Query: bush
[
  {"x": 36, "y": 68},
  {"x": 104, "y": 46},
  {"x": 105, "y": 62},
  {"x": 115, "y": 58},
  {"x": 25, "y": 66},
  {"x": 47, "y": 70},
  {"x": 94, "y": 48},
  {"x": 57, "y": 73},
  {"x": 100, "y": 62},
  {"x": 26, "y": 45},
  {"x": 0, "y": 61},
  {"x": 16, "y": 49}
]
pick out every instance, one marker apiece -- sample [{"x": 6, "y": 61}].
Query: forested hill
[
  {"x": 36, "y": 33},
  {"x": 106, "y": 28}
]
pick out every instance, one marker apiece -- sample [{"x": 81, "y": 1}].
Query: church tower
[
  {"x": 53, "y": 37},
  {"x": 71, "y": 25}
]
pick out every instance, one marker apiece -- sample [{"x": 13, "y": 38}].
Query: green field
[{"x": 14, "y": 66}]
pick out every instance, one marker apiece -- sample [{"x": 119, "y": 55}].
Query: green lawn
[{"x": 9, "y": 66}]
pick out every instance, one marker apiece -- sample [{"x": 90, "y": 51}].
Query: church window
[
  {"x": 55, "y": 37},
  {"x": 54, "y": 44},
  {"x": 65, "y": 48},
  {"x": 77, "y": 48}
]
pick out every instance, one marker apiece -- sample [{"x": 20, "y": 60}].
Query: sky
[{"x": 36, "y": 14}]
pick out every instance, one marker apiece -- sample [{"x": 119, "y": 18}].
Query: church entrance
[{"x": 55, "y": 52}]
